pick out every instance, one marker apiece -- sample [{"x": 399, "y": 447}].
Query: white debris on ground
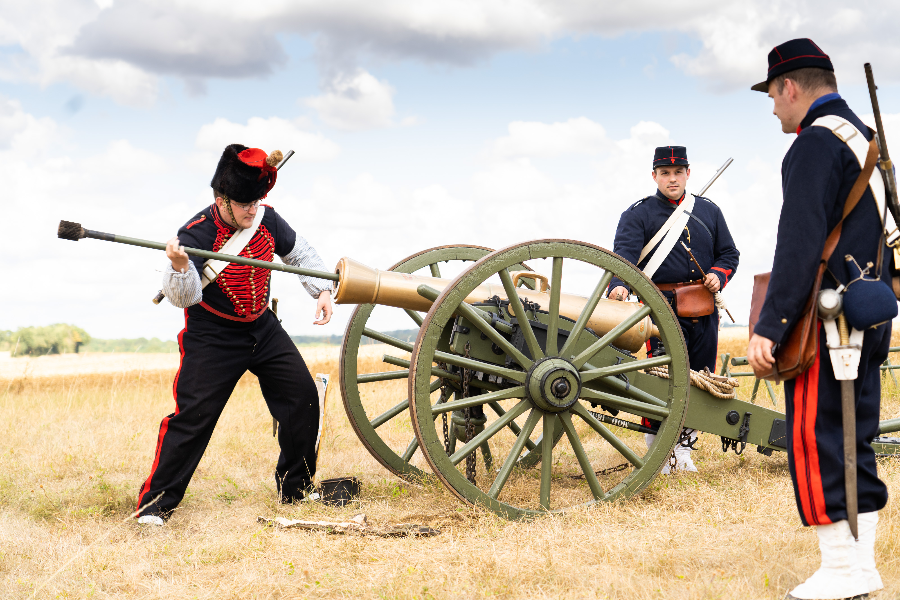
[{"x": 358, "y": 525}]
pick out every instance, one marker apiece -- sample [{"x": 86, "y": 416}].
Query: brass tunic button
[{"x": 784, "y": 320}]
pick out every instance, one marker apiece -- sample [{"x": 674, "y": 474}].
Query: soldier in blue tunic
[
  {"x": 705, "y": 233},
  {"x": 817, "y": 173}
]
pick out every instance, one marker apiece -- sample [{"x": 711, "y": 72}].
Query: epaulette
[
  {"x": 707, "y": 199},
  {"x": 639, "y": 201}
]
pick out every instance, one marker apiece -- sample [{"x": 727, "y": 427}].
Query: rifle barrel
[
  {"x": 879, "y": 127},
  {"x": 716, "y": 176},
  {"x": 887, "y": 167}
]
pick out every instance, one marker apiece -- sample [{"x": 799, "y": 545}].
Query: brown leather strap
[
  {"x": 668, "y": 287},
  {"x": 853, "y": 198}
]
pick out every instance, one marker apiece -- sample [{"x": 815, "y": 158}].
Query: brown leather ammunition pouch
[
  {"x": 799, "y": 350},
  {"x": 690, "y": 299}
]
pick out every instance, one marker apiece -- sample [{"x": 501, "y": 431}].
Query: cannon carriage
[
  {"x": 515, "y": 395},
  {"x": 522, "y": 380}
]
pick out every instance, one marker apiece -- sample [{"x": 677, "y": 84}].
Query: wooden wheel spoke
[
  {"x": 610, "y": 336},
  {"x": 521, "y": 441},
  {"x": 410, "y": 450},
  {"x": 399, "y": 408},
  {"x": 577, "y": 447},
  {"x": 386, "y": 339},
  {"x": 477, "y": 365},
  {"x": 489, "y": 432},
  {"x": 390, "y": 414},
  {"x": 547, "y": 459},
  {"x": 614, "y": 370},
  {"x": 495, "y": 406},
  {"x": 384, "y": 376},
  {"x": 628, "y": 405},
  {"x": 514, "y": 392},
  {"x": 415, "y": 316},
  {"x": 435, "y": 270},
  {"x": 607, "y": 435},
  {"x": 521, "y": 317},
  {"x": 627, "y": 389},
  {"x": 586, "y": 313},
  {"x": 435, "y": 372},
  {"x": 555, "y": 292}
]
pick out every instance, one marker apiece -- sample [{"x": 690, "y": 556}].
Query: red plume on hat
[{"x": 246, "y": 174}]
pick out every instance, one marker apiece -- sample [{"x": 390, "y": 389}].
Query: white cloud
[
  {"x": 120, "y": 49},
  {"x": 737, "y": 37},
  {"x": 268, "y": 134},
  {"x": 22, "y": 132},
  {"x": 120, "y": 188},
  {"x": 355, "y": 101},
  {"x": 575, "y": 136},
  {"x": 42, "y": 30}
]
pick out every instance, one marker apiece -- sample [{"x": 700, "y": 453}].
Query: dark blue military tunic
[
  {"x": 707, "y": 235},
  {"x": 817, "y": 174}
]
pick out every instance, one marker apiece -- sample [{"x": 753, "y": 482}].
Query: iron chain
[{"x": 470, "y": 459}]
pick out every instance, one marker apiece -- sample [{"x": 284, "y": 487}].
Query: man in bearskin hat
[
  {"x": 653, "y": 233},
  {"x": 229, "y": 330},
  {"x": 818, "y": 173}
]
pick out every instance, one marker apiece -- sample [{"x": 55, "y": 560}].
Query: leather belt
[{"x": 669, "y": 287}]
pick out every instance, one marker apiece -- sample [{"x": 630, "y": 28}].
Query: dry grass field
[{"x": 76, "y": 448}]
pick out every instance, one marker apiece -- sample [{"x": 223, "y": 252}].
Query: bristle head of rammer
[{"x": 70, "y": 231}]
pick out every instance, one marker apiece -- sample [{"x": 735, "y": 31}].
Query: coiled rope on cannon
[{"x": 720, "y": 387}]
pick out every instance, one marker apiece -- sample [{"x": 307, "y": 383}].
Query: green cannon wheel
[
  {"x": 546, "y": 370},
  {"x": 384, "y": 428}
]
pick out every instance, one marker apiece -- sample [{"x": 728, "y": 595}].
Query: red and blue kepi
[{"x": 667, "y": 156}]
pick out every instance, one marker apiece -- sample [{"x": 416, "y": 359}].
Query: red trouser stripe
[
  {"x": 164, "y": 426},
  {"x": 805, "y": 450}
]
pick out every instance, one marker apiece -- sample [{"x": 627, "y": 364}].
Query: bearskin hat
[{"x": 246, "y": 174}]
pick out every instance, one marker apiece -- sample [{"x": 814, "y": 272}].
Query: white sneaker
[
  {"x": 151, "y": 520},
  {"x": 865, "y": 550},
  {"x": 840, "y": 575}
]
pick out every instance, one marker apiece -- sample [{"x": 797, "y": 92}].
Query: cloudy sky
[{"x": 539, "y": 117}]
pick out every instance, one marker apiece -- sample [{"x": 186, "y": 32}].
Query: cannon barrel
[{"x": 361, "y": 284}]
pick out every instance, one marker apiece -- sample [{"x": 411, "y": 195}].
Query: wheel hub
[{"x": 553, "y": 384}]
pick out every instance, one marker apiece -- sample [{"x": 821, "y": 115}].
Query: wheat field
[{"x": 78, "y": 446}]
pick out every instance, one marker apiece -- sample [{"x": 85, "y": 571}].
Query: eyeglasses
[{"x": 246, "y": 207}]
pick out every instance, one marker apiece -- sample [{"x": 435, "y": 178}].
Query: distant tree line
[
  {"x": 62, "y": 338},
  {"x": 58, "y": 338}
]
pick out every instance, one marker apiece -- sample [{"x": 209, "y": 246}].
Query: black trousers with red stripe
[
  {"x": 815, "y": 436},
  {"x": 215, "y": 354}
]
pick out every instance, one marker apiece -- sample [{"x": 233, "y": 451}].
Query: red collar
[
  {"x": 219, "y": 220},
  {"x": 676, "y": 202}
]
